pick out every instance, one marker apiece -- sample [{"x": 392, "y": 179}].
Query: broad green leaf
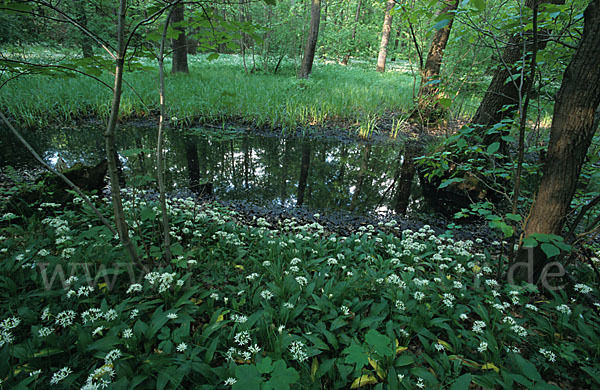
[
  {"x": 248, "y": 378},
  {"x": 282, "y": 377},
  {"x": 265, "y": 366},
  {"x": 356, "y": 355},
  {"x": 513, "y": 217},
  {"x": 530, "y": 242},
  {"x": 381, "y": 343},
  {"x": 479, "y": 4},
  {"x": 462, "y": 382},
  {"x": 550, "y": 250},
  {"x": 493, "y": 148}
]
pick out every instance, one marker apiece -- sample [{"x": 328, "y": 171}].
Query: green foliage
[{"x": 273, "y": 306}]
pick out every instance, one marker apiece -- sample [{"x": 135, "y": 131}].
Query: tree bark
[
  {"x": 109, "y": 137},
  {"x": 86, "y": 41},
  {"x": 570, "y": 136},
  {"x": 431, "y": 72},
  {"x": 501, "y": 99},
  {"x": 311, "y": 40},
  {"x": 356, "y": 19},
  {"x": 385, "y": 36},
  {"x": 180, "y": 63}
]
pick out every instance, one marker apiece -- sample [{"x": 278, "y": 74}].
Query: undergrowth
[{"x": 273, "y": 306}]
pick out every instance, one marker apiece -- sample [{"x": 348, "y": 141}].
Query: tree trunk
[
  {"x": 570, "y": 136},
  {"x": 356, "y": 19},
  {"x": 396, "y": 41},
  {"x": 109, "y": 137},
  {"x": 180, "y": 63},
  {"x": 86, "y": 41},
  {"x": 385, "y": 36},
  {"x": 304, "y": 167},
  {"x": 311, "y": 40},
  {"x": 501, "y": 99},
  {"x": 431, "y": 72}
]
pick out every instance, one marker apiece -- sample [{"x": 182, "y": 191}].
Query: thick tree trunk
[
  {"x": 180, "y": 63},
  {"x": 570, "y": 136},
  {"x": 86, "y": 41},
  {"x": 304, "y": 167},
  {"x": 311, "y": 40},
  {"x": 109, "y": 137},
  {"x": 431, "y": 72},
  {"x": 356, "y": 19},
  {"x": 385, "y": 36},
  {"x": 501, "y": 99}
]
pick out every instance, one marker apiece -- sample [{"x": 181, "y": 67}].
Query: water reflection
[{"x": 321, "y": 174}]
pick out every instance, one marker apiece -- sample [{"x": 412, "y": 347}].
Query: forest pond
[{"x": 325, "y": 173}]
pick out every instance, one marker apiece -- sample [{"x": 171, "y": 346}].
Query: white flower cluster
[
  {"x": 60, "y": 375},
  {"x": 297, "y": 349},
  {"x": 582, "y": 288},
  {"x": 548, "y": 355},
  {"x": 6, "y": 336},
  {"x": 163, "y": 281}
]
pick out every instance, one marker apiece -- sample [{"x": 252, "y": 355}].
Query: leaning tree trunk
[
  {"x": 180, "y": 63},
  {"x": 385, "y": 36},
  {"x": 356, "y": 19},
  {"x": 501, "y": 99},
  {"x": 570, "y": 136},
  {"x": 311, "y": 41},
  {"x": 109, "y": 137},
  {"x": 431, "y": 72}
]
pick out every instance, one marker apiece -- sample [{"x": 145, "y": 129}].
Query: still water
[{"x": 320, "y": 173}]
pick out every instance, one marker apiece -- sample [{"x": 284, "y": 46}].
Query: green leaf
[
  {"x": 404, "y": 360},
  {"x": 380, "y": 343},
  {"x": 446, "y": 183},
  {"x": 479, "y": 4},
  {"x": 248, "y": 378},
  {"x": 527, "y": 368},
  {"x": 550, "y": 250},
  {"x": 513, "y": 217},
  {"x": 462, "y": 382},
  {"x": 356, "y": 355},
  {"x": 441, "y": 24},
  {"x": 493, "y": 148},
  {"x": 212, "y": 56},
  {"x": 530, "y": 242},
  {"x": 282, "y": 377},
  {"x": 265, "y": 366}
]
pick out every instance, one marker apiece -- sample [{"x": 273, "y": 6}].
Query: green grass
[{"x": 218, "y": 91}]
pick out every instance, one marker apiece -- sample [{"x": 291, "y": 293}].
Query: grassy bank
[
  {"x": 277, "y": 305},
  {"x": 218, "y": 91}
]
